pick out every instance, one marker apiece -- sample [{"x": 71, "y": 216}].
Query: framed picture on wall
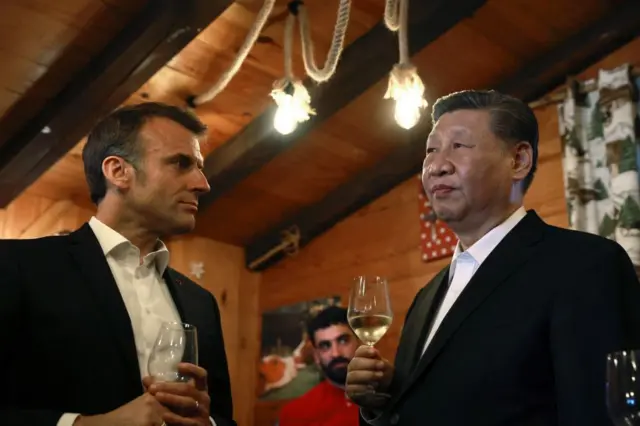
[{"x": 287, "y": 369}]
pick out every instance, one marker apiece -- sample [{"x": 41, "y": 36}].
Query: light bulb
[
  {"x": 408, "y": 106},
  {"x": 407, "y": 90},
  {"x": 284, "y": 120},
  {"x": 293, "y": 106}
]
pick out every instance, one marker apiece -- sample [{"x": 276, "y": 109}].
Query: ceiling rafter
[
  {"x": 161, "y": 30},
  {"x": 534, "y": 80},
  {"x": 363, "y": 63}
]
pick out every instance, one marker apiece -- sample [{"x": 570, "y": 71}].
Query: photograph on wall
[{"x": 287, "y": 369}]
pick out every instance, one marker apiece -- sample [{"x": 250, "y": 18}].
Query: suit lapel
[
  {"x": 503, "y": 261},
  {"x": 416, "y": 327},
  {"x": 91, "y": 261},
  {"x": 174, "y": 283}
]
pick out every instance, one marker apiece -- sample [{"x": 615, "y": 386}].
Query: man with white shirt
[
  {"x": 80, "y": 313},
  {"x": 515, "y": 331}
]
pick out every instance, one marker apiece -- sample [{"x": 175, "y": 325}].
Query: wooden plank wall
[
  {"x": 236, "y": 290},
  {"x": 383, "y": 238},
  {"x": 225, "y": 276}
]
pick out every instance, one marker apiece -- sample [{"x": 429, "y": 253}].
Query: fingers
[
  {"x": 184, "y": 403},
  {"x": 366, "y": 364},
  {"x": 174, "y": 419},
  {"x": 352, "y": 390},
  {"x": 364, "y": 377},
  {"x": 147, "y": 382},
  {"x": 175, "y": 388},
  {"x": 365, "y": 351},
  {"x": 198, "y": 373},
  {"x": 183, "y": 398}
]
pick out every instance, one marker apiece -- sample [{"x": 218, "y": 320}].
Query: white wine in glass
[{"x": 369, "y": 312}]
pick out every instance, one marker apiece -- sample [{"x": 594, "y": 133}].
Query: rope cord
[
  {"x": 249, "y": 41},
  {"x": 337, "y": 43}
]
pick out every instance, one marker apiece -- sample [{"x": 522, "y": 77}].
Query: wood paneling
[
  {"x": 30, "y": 216},
  {"x": 44, "y": 43},
  {"x": 236, "y": 291}
]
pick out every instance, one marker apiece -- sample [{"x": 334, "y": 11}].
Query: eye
[
  {"x": 183, "y": 162},
  {"x": 430, "y": 150},
  {"x": 343, "y": 340}
]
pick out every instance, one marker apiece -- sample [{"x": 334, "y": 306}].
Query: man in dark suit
[
  {"x": 516, "y": 330},
  {"x": 80, "y": 313}
]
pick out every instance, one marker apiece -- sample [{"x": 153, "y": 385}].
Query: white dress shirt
[
  {"x": 464, "y": 265},
  {"x": 144, "y": 292}
]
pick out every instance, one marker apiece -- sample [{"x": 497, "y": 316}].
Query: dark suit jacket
[
  {"x": 67, "y": 341},
  {"x": 526, "y": 341}
]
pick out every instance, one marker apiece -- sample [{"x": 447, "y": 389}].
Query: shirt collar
[
  {"x": 109, "y": 240},
  {"x": 489, "y": 241}
]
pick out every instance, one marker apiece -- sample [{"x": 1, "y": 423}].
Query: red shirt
[{"x": 324, "y": 405}]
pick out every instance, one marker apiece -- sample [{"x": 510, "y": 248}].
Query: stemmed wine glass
[
  {"x": 369, "y": 312},
  {"x": 623, "y": 387},
  {"x": 176, "y": 342}
]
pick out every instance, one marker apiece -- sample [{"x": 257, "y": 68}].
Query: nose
[
  {"x": 200, "y": 184},
  {"x": 335, "y": 352},
  {"x": 437, "y": 164}
]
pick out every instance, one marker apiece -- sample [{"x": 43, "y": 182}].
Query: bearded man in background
[{"x": 334, "y": 345}]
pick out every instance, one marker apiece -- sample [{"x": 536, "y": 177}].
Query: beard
[{"x": 336, "y": 373}]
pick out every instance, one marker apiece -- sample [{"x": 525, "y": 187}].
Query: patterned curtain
[{"x": 601, "y": 157}]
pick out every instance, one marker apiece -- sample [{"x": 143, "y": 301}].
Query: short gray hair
[{"x": 511, "y": 119}]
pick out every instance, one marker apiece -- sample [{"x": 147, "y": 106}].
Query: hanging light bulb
[
  {"x": 406, "y": 89},
  {"x": 293, "y": 102}
]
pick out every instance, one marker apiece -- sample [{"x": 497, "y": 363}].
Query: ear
[
  {"x": 117, "y": 172},
  {"x": 522, "y": 160}
]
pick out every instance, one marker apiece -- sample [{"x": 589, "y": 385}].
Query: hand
[
  {"x": 368, "y": 375},
  {"x": 142, "y": 411},
  {"x": 187, "y": 403}
]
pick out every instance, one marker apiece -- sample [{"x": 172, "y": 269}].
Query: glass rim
[{"x": 377, "y": 277}]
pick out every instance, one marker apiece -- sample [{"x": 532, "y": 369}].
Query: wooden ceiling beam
[
  {"x": 161, "y": 30},
  {"x": 537, "y": 78},
  {"x": 362, "y": 64}
]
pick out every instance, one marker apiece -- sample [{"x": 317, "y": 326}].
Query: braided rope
[
  {"x": 337, "y": 43},
  {"x": 249, "y": 41}
]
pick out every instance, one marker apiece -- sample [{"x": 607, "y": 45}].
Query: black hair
[
  {"x": 512, "y": 120},
  {"x": 117, "y": 135}
]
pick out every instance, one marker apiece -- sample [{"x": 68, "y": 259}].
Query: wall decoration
[
  {"x": 436, "y": 239},
  {"x": 287, "y": 369},
  {"x": 196, "y": 269}
]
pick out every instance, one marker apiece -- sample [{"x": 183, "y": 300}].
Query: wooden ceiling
[{"x": 351, "y": 152}]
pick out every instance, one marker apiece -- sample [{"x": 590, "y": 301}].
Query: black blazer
[
  {"x": 526, "y": 341},
  {"x": 67, "y": 341}
]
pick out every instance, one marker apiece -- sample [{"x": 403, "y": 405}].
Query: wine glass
[
  {"x": 176, "y": 342},
  {"x": 369, "y": 312},
  {"x": 623, "y": 387}
]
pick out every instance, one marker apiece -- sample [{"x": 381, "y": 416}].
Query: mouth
[
  {"x": 190, "y": 205},
  {"x": 441, "y": 189}
]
